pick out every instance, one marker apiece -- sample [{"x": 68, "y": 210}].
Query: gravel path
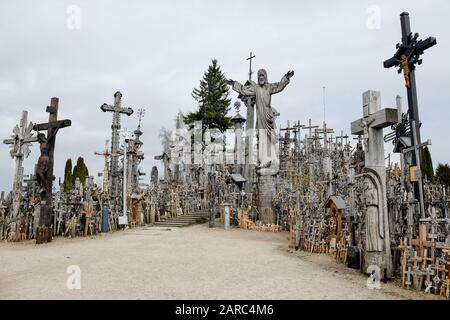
[{"x": 189, "y": 263}]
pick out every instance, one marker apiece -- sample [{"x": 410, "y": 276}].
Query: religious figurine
[
  {"x": 366, "y": 124},
  {"x": 374, "y": 243},
  {"x": 154, "y": 176},
  {"x": 265, "y": 122},
  {"x": 406, "y": 69},
  {"x": 396, "y": 172},
  {"x": 44, "y": 164}
]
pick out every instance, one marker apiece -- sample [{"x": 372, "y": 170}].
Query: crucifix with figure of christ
[
  {"x": 44, "y": 172},
  {"x": 408, "y": 55}
]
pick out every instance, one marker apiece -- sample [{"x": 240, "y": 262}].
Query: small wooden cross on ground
[
  {"x": 422, "y": 242},
  {"x": 45, "y": 168}
]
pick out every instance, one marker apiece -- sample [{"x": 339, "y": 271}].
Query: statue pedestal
[{"x": 266, "y": 186}]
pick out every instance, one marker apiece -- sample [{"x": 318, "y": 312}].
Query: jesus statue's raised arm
[
  {"x": 247, "y": 90},
  {"x": 277, "y": 87}
]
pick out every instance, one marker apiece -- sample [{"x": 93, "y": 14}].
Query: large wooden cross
[
  {"x": 45, "y": 168},
  {"x": 422, "y": 241},
  {"x": 408, "y": 55}
]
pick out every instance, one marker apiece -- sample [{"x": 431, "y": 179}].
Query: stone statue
[
  {"x": 154, "y": 176},
  {"x": 265, "y": 121},
  {"x": 365, "y": 125},
  {"x": 374, "y": 243}
]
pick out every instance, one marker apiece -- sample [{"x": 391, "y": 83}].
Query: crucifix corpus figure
[
  {"x": 44, "y": 171},
  {"x": 266, "y": 114},
  {"x": 43, "y": 165}
]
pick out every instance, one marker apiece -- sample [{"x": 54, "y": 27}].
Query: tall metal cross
[
  {"x": 408, "y": 55},
  {"x": 250, "y": 71},
  {"x": 117, "y": 110}
]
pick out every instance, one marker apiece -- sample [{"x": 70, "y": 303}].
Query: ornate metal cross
[
  {"x": 20, "y": 143},
  {"x": 408, "y": 55},
  {"x": 117, "y": 110}
]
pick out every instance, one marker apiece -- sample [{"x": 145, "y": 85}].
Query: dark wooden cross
[
  {"x": 45, "y": 168},
  {"x": 250, "y": 72},
  {"x": 408, "y": 55}
]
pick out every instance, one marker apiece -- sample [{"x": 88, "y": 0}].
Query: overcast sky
[{"x": 155, "y": 53}]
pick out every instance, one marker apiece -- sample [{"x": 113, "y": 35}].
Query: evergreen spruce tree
[
  {"x": 427, "y": 164},
  {"x": 212, "y": 98},
  {"x": 443, "y": 174},
  {"x": 80, "y": 171},
  {"x": 68, "y": 180}
]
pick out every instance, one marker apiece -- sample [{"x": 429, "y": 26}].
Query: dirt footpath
[{"x": 189, "y": 263}]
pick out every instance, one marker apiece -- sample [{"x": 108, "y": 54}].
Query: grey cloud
[{"x": 155, "y": 52}]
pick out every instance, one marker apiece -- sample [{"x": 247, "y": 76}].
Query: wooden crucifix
[
  {"x": 408, "y": 54},
  {"x": 44, "y": 172}
]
